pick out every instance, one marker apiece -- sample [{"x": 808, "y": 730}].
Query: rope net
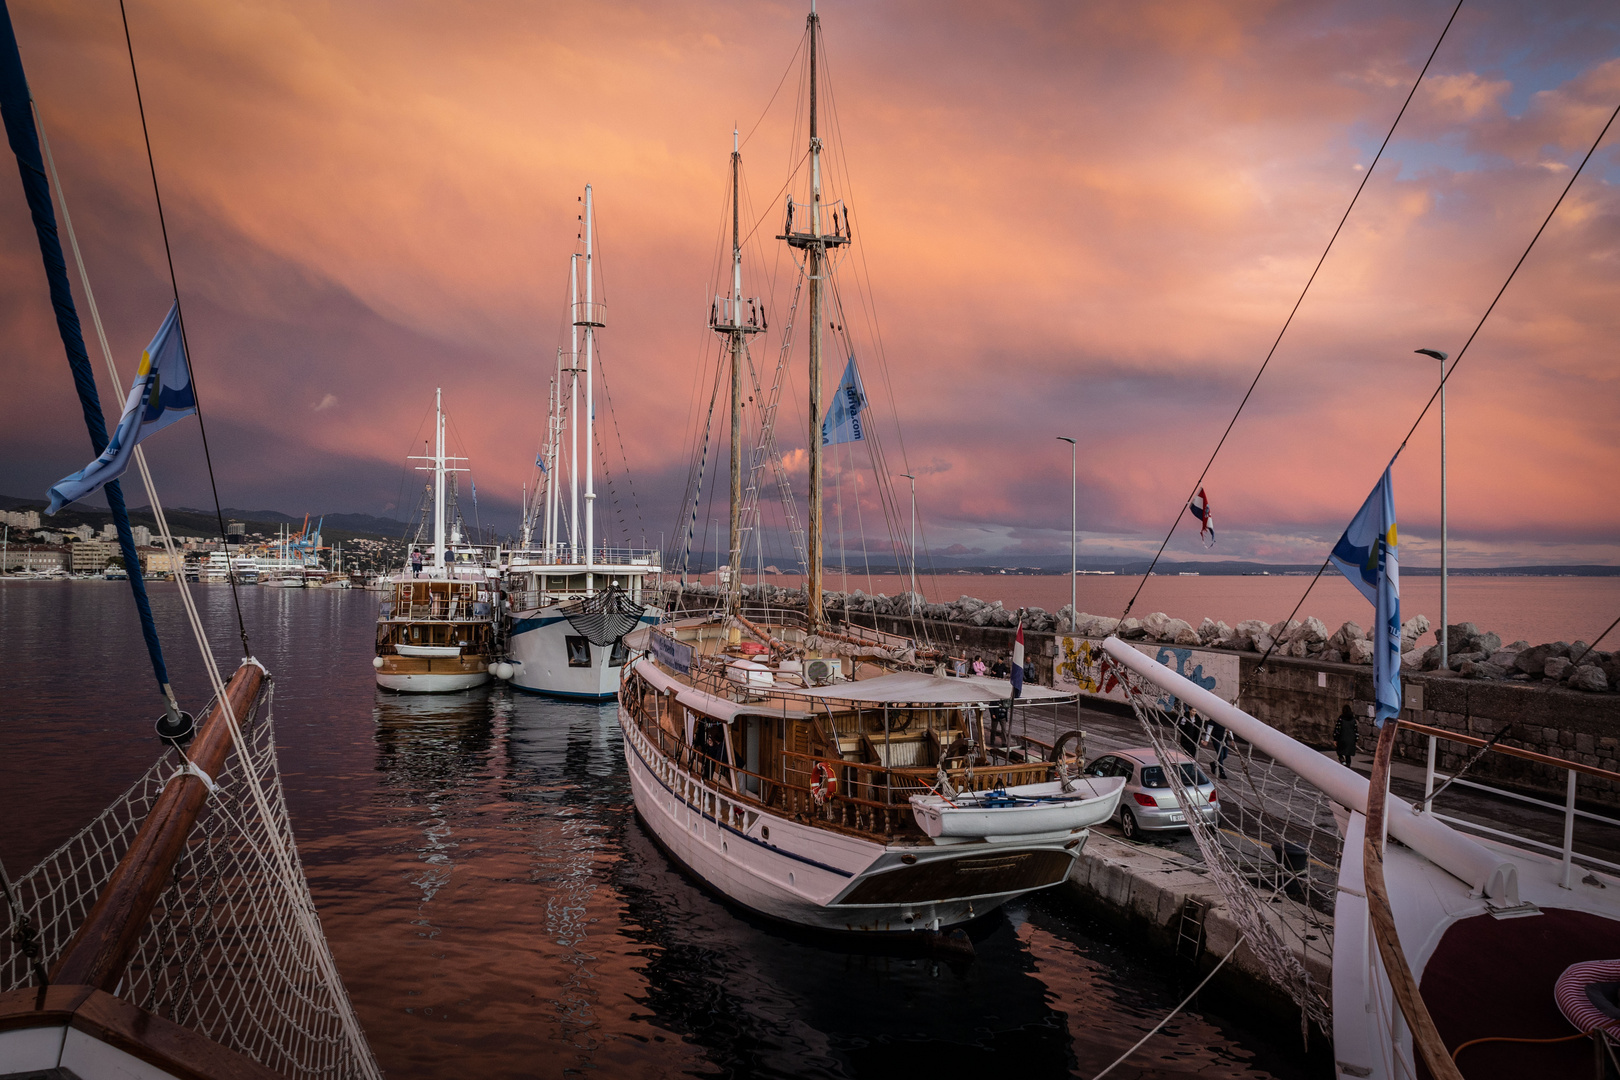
[
  {"x": 1273, "y": 850},
  {"x": 228, "y": 951}
]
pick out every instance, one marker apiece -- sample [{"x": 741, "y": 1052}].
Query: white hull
[
  {"x": 1091, "y": 803},
  {"x": 538, "y": 647},
  {"x": 816, "y": 877},
  {"x": 432, "y": 683}
]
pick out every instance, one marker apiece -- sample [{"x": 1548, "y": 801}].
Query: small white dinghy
[
  {"x": 1018, "y": 814},
  {"x": 429, "y": 652}
]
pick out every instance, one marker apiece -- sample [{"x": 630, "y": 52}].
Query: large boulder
[
  {"x": 1557, "y": 668},
  {"x": 1459, "y": 635},
  {"x": 1157, "y": 626},
  {"x": 1504, "y": 658},
  {"x": 1281, "y": 631},
  {"x": 1481, "y": 669},
  {"x": 1533, "y": 661},
  {"x": 1486, "y": 643},
  {"x": 1131, "y": 630},
  {"x": 1411, "y": 630},
  {"x": 1360, "y": 651},
  {"x": 1097, "y": 626},
  {"x": 1313, "y": 632},
  {"x": 1589, "y": 677},
  {"x": 1344, "y": 635},
  {"x": 1264, "y": 643},
  {"x": 1611, "y": 668},
  {"x": 1211, "y": 632}
]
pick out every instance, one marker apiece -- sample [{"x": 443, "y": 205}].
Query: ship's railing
[
  {"x": 1570, "y": 812},
  {"x": 602, "y": 556}
]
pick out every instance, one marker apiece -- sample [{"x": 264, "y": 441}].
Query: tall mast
[
  {"x": 438, "y": 478},
  {"x": 573, "y": 413},
  {"x": 734, "y": 587},
  {"x": 816, "y": 265},
  {"x": 591, "y": 323}
]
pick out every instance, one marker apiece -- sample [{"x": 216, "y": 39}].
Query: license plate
[{"x": 1178, "y": 817}]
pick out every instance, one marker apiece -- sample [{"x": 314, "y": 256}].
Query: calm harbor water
[
  {"x": 496, "y": 909},
  {"x": 1537, "y": 609}
]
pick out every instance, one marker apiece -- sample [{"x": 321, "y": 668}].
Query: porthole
[{"x": 764, "y": 832}]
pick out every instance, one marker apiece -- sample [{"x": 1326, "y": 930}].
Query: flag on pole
[
  {"x": 160, "y": 395},
  {"x": 1018, "y": 661},
  {"x": 1367, "y": 554},
  {"x": 1200, "y": 510},
  {"x": 475, "y": 492},
  {"x": 539, "y": 459},
  {"x": 842, "y": 423}
]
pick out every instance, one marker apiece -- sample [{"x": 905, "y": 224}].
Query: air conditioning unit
[{"x": 820, "y": 672}]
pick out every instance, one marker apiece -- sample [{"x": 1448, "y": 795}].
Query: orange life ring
[{"x": 823, "y": 783}]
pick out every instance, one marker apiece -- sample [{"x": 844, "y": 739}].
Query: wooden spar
[
  {"x": 764, "y": 635},
  {"x": 1407, "y": 995},
  {"x": 102, "y": 946}
]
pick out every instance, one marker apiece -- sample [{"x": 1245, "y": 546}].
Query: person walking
[
  {"x": 1219, "y": 741},
  {"x": 416, "y": 562},
  {"x": 1344, "y": 735},
  {"x": 1187, "y": 730}
]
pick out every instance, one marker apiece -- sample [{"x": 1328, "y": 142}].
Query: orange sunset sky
[{"x": 1084, "y": 219}]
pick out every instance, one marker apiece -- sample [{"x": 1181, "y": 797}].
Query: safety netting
[
  {"x": 234, "y": 948},
  {"x": 1273, "y": 848}
]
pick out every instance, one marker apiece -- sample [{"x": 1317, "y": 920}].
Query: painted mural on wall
[{"x": 1081, "y": 665}]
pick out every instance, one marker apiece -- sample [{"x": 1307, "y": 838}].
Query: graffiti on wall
[{"x": 1082, "y": 665}]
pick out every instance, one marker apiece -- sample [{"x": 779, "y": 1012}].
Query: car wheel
[{"x": 1128, "y": 825}]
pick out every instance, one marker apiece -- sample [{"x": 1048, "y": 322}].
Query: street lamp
[
  {"x": 1074, "y": 559},
  {"x": 1074, "y": 533},
  {"x": 1445, "y": 664},
  {"x": 913, "y": 480}
]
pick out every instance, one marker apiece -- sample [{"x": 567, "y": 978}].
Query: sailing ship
[
  {"x": 437, "y": 626},
  {"x": 569, "y": 601},
  {"x": 836, "y": 777},
  {"x": 174, "y": 936}
]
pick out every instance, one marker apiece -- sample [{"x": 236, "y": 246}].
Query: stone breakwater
[{"x": 1474, "y": 654}]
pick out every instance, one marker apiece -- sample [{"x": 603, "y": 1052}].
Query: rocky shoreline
[{"x": 1474, "y": 654}]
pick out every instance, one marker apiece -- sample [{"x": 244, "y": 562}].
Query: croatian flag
[
  {"x": 1018, "y": 662},
  {"x": 1200, "y": 509}
]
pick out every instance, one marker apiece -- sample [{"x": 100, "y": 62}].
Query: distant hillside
[{"x": 186, "y": 521}]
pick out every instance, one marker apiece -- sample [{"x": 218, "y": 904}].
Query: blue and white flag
[
  {"x": 1367, "y": 554},
  {"x": 160, "y": 395},
  {"x": 843, "y": 421},
  {"x": 539, "y": 460},
  {"x": 475, "y": 492}
]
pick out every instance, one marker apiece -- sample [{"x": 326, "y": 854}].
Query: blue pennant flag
[
  {"x": 843, "y": 421},
  {"x": 1367, "y": 554},
  {"x": 475, "y": 491},
  {"x": 539, "y": 460},
  {"x": 160, "y": 395}
]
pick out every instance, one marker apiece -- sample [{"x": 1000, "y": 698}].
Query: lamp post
[
  {"x": 913, "y": 480},
  {"x": 1074, "y": 532},
  {"x": 1445, "y": 645}
]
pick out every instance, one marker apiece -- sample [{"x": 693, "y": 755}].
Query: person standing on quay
[{"x": 1344, "y": 735}]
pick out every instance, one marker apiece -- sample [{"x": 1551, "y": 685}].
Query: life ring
[{"x": 823, "y": 783}]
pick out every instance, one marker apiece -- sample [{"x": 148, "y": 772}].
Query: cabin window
[
  {"x": 619, "y": 654},
  {"x": 579, "y": 651}
]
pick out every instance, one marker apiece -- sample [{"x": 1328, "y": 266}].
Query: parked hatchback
[{"x": 1149, "y": 803}]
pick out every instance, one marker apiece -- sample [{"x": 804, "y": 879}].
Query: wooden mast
[
  {"x": 816, "y": 266},
  {"x": 734, "y": 582}
]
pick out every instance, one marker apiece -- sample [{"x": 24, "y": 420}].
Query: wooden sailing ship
[
  {"x": 438, "y": 622},
  {"x": 836, "y": 777}
]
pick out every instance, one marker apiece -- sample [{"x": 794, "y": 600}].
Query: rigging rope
[
  {"x": 185, "y": 344},
  {"x": 23, "y": 133},
  {"x": 1182, "y": 509},
  {"x": 1435, "y": 396}
]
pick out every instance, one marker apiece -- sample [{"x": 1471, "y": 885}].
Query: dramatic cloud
[{"x": 1084, "y": 220}]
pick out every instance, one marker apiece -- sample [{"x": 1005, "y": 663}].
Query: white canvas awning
[{"x": 922, "y": 688}]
